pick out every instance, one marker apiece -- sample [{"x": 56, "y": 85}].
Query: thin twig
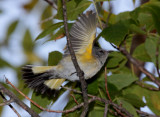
[
  {"x": 105, "y": 110},
  {"x": 100, "y": 23},
  {"x": 106, "y": 85},
  {"x": 157, "y": 58},
  {"x": 18, "y": 101},
  {"x": 140, "y": 67},
  {"x": 136, "y": 63},
  {"x": 80, "y": 73},
  {"x": 144, "y": 114},
  {"x": 51, "y": 3},
  {"x": 10, "y": 105},
  {"x": 120, "y": 109},
  {"x": 147, "y": 87},
  {"x": 113, "y": 112},
  {"x": 109, "y": 14},
  {"x": 93, "y": 98},
  {"x": 47, "y": 19},
  {"x": 119, "y": 112},
  {"x": 44, "y": 109},
  {"x": 7, "y": 102},
  {"x": 74, "y": 99}
]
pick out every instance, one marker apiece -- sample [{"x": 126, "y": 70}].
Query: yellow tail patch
[
  {"x": 41, "y": 69},
  {"x": 54, "y": 83}
]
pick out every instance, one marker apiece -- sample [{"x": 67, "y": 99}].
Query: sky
[{"x": 12, "y": 11}]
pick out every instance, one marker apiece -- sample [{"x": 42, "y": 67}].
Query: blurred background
[{"x": 20, "y": 23}]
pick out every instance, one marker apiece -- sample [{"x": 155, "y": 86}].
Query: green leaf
[
  {"x": 30, "y": 5},
  {"x": 115, "y": 61},
  {"x": 28, "y": 47},
  {"x": 146, "y": 20},
  {"x": 151, "y": 44},
  {"x": 12, "y": 27},
  {"x": 45, "y": 15},
  {"x": 113, "y": 91},
  {"x": 4, "y": 63},
  {"x": 73, "y": 9},
  {"x": 96, "y": 112},
  {"x": 137, "y": 90},
  {"x": 93, "y": 87},
  {"x": 54, "y": 58},
  {"x": 152, "y": 97},
  {"x": 141, "y": 53},
  {"x": 60, "y": 32},
  {"x": 154, "y": 9},
  {"x": 153, "y": 102},
  {"x": 127, "y": 106},
  {"x": 49, "y": 30},
  {"x": 123, "y": 16},
  {"x": 133, "y": 26},
  {"x": 134, "y": 100},
  {"x": 57, "y": 34},
  {"x": 101, "y": 86},
  {"x": 121, "y": 80},
  {"x": 71, "y": 104},
  {"x": 115, "y": 33},
  {"x": 42, "y": 100},
  {"x": 136, "y": 29},
  {"x": 27, "y": 42}
]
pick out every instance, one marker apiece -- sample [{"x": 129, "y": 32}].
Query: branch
[
  {"x": 19, "y": 102},
  {"x": 93, "y": 98},
  {"x": 105, "y": 110},
  {"x": 119, "y": 112},
  {"x": 144, "y": 114},
  {"x": 44, "y": 109},
  {"x": 51, "y": 3},
  {"x": 74, "y": 99},
  {"x": 135, "y": 62},
  {"x": 80, "y": 73},
  {"x": 147, "y": 87},
  {"x": 7, "y": 102},
  {"x": 106, "y": 85},
  {"x": 141, "y": 68},
  {"x": 109, "y": 14},
  {"x": 100, "y": 23},
  {"x": 120, "y": 109},
  {"x": 10, "y": 105},
  {"x": 157, "y": 58},
  {"x": 114, "y": 113}
]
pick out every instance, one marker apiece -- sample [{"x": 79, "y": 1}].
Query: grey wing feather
[{"x": 82, "y": 33}]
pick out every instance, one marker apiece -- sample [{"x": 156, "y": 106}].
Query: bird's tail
[{"x": 37, "y": 78}]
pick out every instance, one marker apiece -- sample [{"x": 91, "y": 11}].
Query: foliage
[{"x": 122, "y": 86}]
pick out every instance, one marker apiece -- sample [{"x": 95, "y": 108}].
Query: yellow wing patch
[
  {"x": 54, "y": 83},
  {"x": 87, "y": 55},
  {"x": 41, "y": 69},
  {"x": 82, "y": 34}
]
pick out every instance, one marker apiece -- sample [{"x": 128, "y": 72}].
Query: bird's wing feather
[{"x": 82, "y": 33}]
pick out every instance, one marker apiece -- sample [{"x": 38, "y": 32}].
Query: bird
[{"x": 89, "y": 57}]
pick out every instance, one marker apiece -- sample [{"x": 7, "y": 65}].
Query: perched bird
[{"x": 90, "y": 58}]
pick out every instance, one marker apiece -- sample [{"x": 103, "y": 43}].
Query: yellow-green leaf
[{"x": 54, "y": 58}]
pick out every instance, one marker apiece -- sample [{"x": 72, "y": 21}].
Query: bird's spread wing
[{"x": 82, "y": 34}]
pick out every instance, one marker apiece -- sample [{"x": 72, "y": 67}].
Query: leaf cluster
[{"x": 121, "y": 79}]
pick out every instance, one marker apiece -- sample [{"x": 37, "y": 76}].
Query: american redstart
[{"x": 90, "y": 58}]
